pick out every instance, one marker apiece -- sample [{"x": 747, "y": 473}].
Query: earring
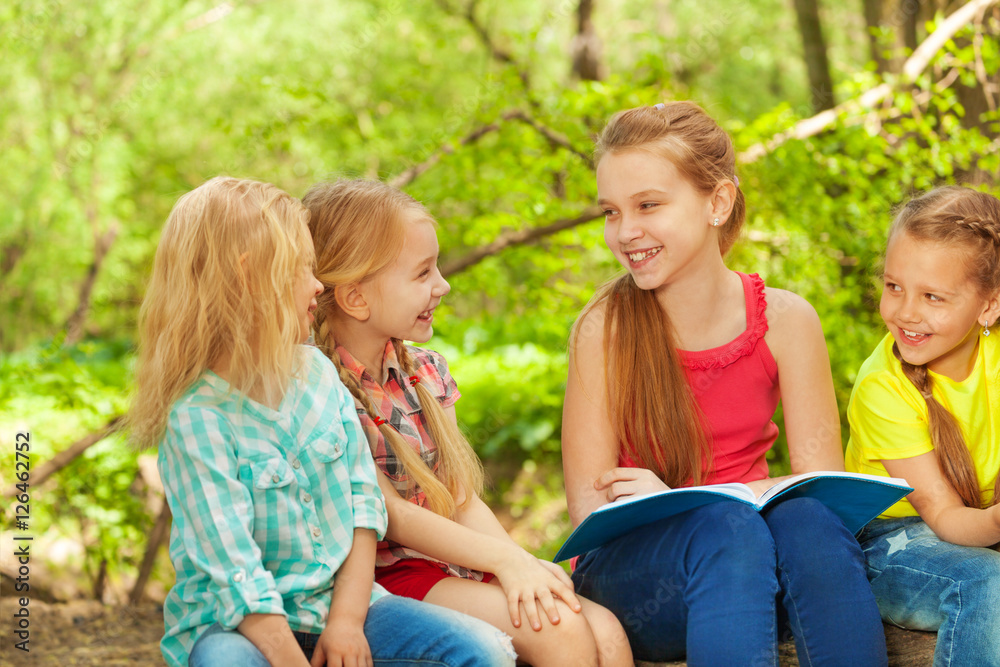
[
  {"x": 986, "y": 331},
  {"x": 715, "y": 223}
]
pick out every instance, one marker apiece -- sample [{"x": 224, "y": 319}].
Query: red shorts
[{"x": 413, "y": 577}]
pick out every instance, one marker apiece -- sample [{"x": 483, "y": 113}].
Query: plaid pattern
[
  {"x": 265, "y": 503},
  {"x": 398, "y": 403}
]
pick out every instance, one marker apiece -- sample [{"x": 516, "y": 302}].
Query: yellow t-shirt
[{"x": 888, "y": 417}]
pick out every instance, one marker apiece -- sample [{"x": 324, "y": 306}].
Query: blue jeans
[
  {"x": 716, "y": 583},
  {"x": 401, "y": 633},
  {"x": 923, "y": 583}
]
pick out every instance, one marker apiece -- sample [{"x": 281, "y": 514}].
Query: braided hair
[
  {"x": 357, "y": 229},
  {"x": 969, "y": 221}
]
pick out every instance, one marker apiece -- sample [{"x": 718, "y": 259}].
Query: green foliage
[
  {"x": 512, "y": 400},
  {"x": 59, "y": 393}
]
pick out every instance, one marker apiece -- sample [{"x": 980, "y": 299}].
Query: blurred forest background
[{"x": 484, "y": 110}]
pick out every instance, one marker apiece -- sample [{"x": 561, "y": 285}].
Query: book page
[
  {"x": 796, "y": 479},
  {"x": 733, "y": 489}
]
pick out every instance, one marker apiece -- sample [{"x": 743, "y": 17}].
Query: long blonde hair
[
  {"x": 357, "y": 229},
  {"x": 968, "y": 221},
  {"x": 652, "y": 410},
  {"x": 224, "y": 275}
]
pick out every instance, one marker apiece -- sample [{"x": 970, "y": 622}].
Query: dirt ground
[{"x": 83, "y": 633}]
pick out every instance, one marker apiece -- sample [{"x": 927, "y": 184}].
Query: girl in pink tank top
[{"x": 676, "y": 369}]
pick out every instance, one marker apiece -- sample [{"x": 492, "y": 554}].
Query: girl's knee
[
  {"x": 570, "y": 641},
  {"x": 736, "y": 532},
  {"x": 981, "y": 579},
  {"x": 217, "y": 647},
  {"x": 805, "y": 525},
  {"x": 492, "y": 646},
  {"x": 612, "y": 642},
  {"x": 803, "y": 515}
]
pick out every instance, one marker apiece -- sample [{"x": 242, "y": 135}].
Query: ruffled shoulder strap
[{"x": 744, "y": 344}]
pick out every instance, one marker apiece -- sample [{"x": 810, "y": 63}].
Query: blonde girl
[
  {"x": 676, "y": 369},
  {"x": 377, "y": 255},
  {"x": 926, "y": 407},
  {"x": 276, "y": 507}
]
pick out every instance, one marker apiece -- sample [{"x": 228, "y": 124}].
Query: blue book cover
[{"x": 854, "y": 497}]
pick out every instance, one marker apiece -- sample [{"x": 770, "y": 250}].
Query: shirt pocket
[
  {"x": 275, "y": 507},
  {"x": 329, "y": 445},
  {"x": 271, "y": 473}
]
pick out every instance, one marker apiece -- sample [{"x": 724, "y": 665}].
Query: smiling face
[
  {"x": 403, "y": 296},
  {"x": 656, "y": 223},
  {"x": 931, "y": 307}
]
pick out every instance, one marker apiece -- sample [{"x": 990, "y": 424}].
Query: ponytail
[
  {"x": 653, "y": 413},
  {"x": 459, "y": 468},
  {"x": 949, "y": 445}
]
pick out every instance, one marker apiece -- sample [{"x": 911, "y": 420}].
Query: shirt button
[
  {"x": 296, "y": 464},
  {"x": 306, "y": 497},
  {"x": 238, "y": 577},
  {"x": 337, "y": 450},
  {"x": 316, "y": 532},
  {"x": 276, "y": 478}
]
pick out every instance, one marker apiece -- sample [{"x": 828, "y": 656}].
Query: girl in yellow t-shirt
[{"x": 926, "y": 407}]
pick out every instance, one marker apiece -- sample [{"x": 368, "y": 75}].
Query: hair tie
[
  {"x": 736, "y": 180},
  {"x": 414, "y": 380},
  {"x": 378, "y": 420},
  {"x": 660, "y": 106}
]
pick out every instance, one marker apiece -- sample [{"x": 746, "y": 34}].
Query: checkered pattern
[
  {"x": 265, "y": 503},
  {"x": 399, "y": 405}
]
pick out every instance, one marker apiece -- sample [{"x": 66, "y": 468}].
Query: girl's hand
[
  {"x": 759, "y": 486},
  {"x": 619, "y": 482},
  {"x": 342, "y": 644},
  {"x": 530, "y": 583},
  {"x": 559, "y": 573}
]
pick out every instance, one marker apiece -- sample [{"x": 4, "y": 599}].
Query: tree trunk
[
  {"x": 156, "y": 538},
  {"x": 814, "y": 50},
  {"x": 586, "y": 44},
  {"x": 873, "y": 24},
  {"x": 983, "y": 95},
  {"x": 74, "y": 325},
  {"x": 911, "y": 18}
]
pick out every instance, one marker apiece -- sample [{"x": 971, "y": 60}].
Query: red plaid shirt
[{"x": 398, "y": 403}]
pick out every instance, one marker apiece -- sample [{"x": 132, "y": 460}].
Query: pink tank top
[{"x": 736, "y": 387}]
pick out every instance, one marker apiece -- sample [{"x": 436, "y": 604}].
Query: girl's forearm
[
  {"x": 476, "y": 515},
  {"x": 446, "y": 540},
  {"x": 352, "y": 585},
  {"x": 967, "y": 526},
  {"x": 273, "y": 637}
]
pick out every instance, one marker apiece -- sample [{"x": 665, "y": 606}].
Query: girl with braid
[
  {"x": 273, "y": 491},
  {"x": 926, "y": 407},
  {"x": 377, "y": 256}
]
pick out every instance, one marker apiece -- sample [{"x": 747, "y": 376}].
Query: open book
[{"x": 854, "y": 497}]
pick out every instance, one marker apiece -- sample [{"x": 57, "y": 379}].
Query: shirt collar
[{"x": 390, "y": 362}]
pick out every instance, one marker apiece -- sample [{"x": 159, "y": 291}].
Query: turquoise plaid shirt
[{"x": 265, "y": 503}]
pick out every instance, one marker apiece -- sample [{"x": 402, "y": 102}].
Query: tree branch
[
  {"x": 554, "y": 137},
  {"x": 912, "y": 68},
  {"x": 411, "y": 174},
  {"x": 498, "y": 53},
  {"x": 520, "y": 237},
  {"x": 41, "y": 473},
  {"x": 406, "y": 177}
]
